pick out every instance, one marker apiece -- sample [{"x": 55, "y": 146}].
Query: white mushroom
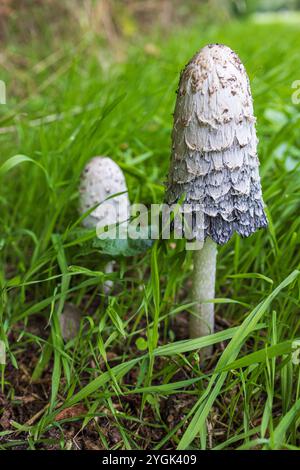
[
  {"x": 102, "y": 181},
  {"x": 214, "y": 164}
]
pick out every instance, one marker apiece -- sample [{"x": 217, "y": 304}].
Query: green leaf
[
  {"x": 116, "y": 320},
  {"x": 284, "y": 424},
  {"x": 85, "y": 271},
  {"x": 119, "y": 247},
  {"x": 262, "y": 355},
  {"x": 251, "y": 276},
  {"x": 141, "y": 344},
  {"x": 112, "y": 247},
  {"x": 17, "y": 160},
  {"x": 188, "y": 345}
]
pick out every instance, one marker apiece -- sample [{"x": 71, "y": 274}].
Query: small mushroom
[
  {"x": 70, "y": 321},
  {"x": 102, "y": 181},
  {"x": 214, "y": 165}
]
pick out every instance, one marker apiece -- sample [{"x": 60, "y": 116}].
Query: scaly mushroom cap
[
  {"x": 214, "y": 146},
  {"x": 100, "y": 180}
]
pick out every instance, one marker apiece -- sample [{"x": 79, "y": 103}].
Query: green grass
[{"x": 248, "y": 396}]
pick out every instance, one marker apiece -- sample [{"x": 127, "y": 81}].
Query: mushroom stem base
[
  {"x": 202, "y": 320},
  {"x": 108, "y": 285}
]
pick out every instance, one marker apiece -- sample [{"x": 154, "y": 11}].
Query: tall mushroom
[
  {"x": 102, "y": 181},
  {"x": 214, "y": 164}
]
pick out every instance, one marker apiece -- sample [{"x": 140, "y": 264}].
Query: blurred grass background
[{"x": 99, "y": 77}]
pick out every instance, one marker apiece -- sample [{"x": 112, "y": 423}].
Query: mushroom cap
[
  {"x": 101, "y": 179},
  {"x": 214, "y": 159}
]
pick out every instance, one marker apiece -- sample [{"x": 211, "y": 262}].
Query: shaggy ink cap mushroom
[
  {"x": 214, "y": 159},
  {"x": 101, "y": 179}
]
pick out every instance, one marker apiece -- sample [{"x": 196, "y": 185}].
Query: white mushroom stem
[
  {"x": 202, "y": 320},
  {"x": 108, "y": 285}
]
